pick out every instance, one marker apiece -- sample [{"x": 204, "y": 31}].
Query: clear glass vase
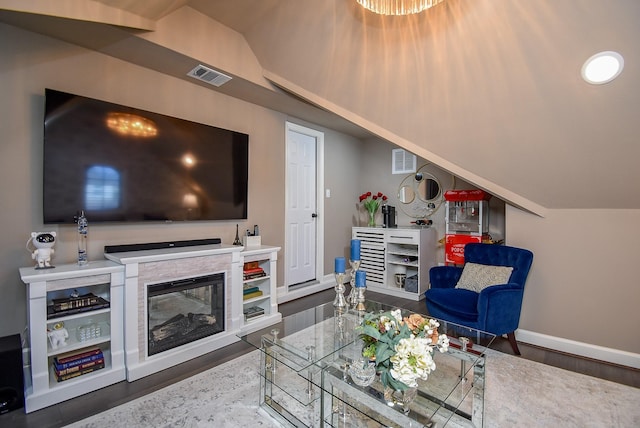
[
  {"x": 400, "y": 398},
  {"x": 372, "y": 219}
]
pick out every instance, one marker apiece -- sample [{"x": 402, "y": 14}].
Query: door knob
[{"x": 314, "y": 215}]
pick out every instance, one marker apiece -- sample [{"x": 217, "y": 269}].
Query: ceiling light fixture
[
  {"x": 602, "y": 67},
  {"x": 398, "y": 7}
]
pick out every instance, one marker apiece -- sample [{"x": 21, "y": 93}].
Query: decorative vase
[
  {"x": 372, "y": 219},
  {"x": 362, "y": 372},
  {"x": 402, "y": 398}
]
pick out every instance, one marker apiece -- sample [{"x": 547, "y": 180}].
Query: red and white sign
[{"x": 454, "y": 247}]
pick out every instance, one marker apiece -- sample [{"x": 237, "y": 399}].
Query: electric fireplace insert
[{"x": 183, "y": 311}]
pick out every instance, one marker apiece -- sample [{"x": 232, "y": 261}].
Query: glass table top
[{"x": 319, "y": 345}]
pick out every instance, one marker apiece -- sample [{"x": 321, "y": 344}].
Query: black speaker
[{"x": 11, "y": 374}]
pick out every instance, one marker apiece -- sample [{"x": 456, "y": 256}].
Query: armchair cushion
[
  {"x": 477, "y": 277},
  {"x": 460, "y": 306}
]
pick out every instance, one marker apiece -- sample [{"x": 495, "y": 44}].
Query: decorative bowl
[{"x": 362, "y": 372}]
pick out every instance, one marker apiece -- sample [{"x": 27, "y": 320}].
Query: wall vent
[
  {"x": 209, "y": 75},
  {"x": 402, "y": 162}
]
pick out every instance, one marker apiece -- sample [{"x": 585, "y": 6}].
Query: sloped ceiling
[{"x": 488, "y": 89}]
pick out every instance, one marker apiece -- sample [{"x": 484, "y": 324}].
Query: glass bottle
[{"x": 83, "y": 229}]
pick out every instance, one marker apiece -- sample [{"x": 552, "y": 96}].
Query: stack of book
[
  {"x": 253, "y": 312},
  {"x": 77, "y": 304},
  {"x": 252, "y": 270},
  {"x": 249, "y": 292},
  {"x": 77, "y": 363}
]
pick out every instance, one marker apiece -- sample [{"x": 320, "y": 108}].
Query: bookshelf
[
  {"x": 259, "y": 300},
  {"x": 91, "y": 356}
]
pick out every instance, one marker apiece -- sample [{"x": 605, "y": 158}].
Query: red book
[
  {"x": 76, "y": 355},
  {"x": 79, "y": 367},
  {"x": 79, "y": 372}
]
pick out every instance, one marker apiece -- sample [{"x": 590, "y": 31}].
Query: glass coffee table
[{"x": 305, "y": 381}]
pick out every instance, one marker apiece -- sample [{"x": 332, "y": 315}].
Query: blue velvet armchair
[{"x": 495, "y": 309}]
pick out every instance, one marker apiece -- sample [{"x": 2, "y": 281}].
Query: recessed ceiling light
[{"x": 602, "y": 67}]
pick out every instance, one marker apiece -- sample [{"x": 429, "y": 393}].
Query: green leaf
[
  {"x": 396, "y": 384},
  {"x": 371, "y": 331},
  {"x": 384, "y": 352}
]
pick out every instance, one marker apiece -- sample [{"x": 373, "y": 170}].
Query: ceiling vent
[{"x": 209, "y": 76}]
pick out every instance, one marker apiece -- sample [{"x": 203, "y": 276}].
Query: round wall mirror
[
  {"x": 428, "y": 188},
  {"x": 406, "y": 194},
  {"x": 420, "y": 194}
]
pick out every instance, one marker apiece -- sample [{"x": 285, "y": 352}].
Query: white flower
[
  {"x": 412, "y": 361},
  {"x": 443, "y": 343}
]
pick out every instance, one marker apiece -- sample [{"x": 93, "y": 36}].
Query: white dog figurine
[
  {"x": 43, "y": 241},
  {"x": 58, "y": 337}
]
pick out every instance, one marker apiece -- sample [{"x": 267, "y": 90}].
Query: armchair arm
[
  {"x": 444, "y": 276},
  {"x": 499, "y": 308}
]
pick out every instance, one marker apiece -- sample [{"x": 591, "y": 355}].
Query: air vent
[
  {"x": 402, "y": 162},
  {"x": 208, "y": 75}
]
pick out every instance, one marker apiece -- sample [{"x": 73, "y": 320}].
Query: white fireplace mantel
[{"x": 162, "y": 265}]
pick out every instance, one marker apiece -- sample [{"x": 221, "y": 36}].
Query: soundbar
[{"x": 160, "y": 245}]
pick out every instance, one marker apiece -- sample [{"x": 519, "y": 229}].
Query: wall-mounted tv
[{"x": 121, "y": 164}]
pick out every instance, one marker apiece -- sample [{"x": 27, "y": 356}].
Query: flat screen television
[{"x": 122, "y": 164}]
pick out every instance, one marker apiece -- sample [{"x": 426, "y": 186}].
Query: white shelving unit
[
  {"x": 266, "y": 257},
  {"x": 387, "y": 252},
  {"x": 372, "y": 254},
  {"x": 102, "y": 278}
]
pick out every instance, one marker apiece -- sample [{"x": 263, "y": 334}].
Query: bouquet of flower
[
  {"x": 371, "y": 203},
  {"x": 401, "y": 348}
]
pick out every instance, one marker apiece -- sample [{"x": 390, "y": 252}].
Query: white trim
[
  {"x": 596, "y": 352},
  {"x": 319, "y": 136},
  {"x": 286, "y": 296}
]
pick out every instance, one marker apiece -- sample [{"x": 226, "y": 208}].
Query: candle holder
[
  {"x": 340, "y": 301},
  {"x": 360, "y": 298},
  {"x": 352, "y": 299}
]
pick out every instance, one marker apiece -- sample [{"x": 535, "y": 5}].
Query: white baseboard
[
  {"x": 596, "y": 352},
  {"x": 327, "y": 282}
]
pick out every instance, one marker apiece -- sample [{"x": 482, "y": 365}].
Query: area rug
[{"x": 518, "y": 392}]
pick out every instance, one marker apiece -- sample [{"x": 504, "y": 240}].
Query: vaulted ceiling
[{"x": 489, "y": 90}]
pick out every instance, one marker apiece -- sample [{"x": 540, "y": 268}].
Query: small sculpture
[
  {"x": 43, "y": 242},
  {"x": 58, "y": 336}
]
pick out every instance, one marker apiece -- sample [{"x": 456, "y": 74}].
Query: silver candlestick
[
  {"x": 340, "y": 301},
  {"x": 352, "y": 300},
  {"x": 360, "y": 298}
]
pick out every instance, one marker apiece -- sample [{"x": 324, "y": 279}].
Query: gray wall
[{"x": 30, "y": 63}]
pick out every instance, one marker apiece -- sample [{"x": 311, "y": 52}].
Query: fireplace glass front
[{"x": 183, "y": 311}]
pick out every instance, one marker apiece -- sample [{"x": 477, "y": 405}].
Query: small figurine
[
  {"x": 43, "y": 242},
  {"x": 58, "y": 336}
]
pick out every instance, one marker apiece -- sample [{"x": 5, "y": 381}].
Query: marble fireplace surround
[{"x": 161, "y": 265}]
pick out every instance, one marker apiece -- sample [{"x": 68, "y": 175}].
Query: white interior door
[{"x": 302, "y": 210}]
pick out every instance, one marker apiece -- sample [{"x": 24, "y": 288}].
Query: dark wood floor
[{"x": 89, "y": 404}]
